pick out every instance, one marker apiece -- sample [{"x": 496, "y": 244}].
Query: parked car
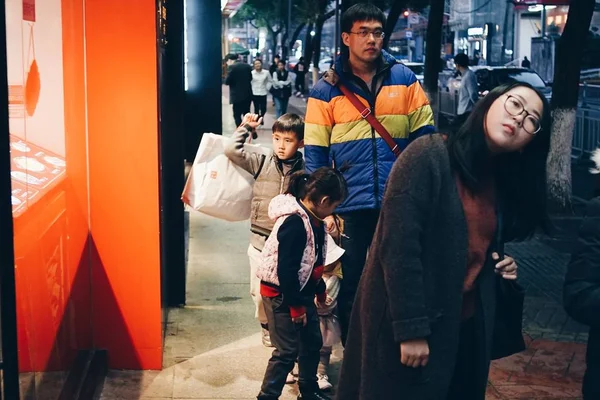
[
  {"x": 418, "y": 69},
  {"x": 491, "y": 77},
  {"x": 324, "y": 64}
]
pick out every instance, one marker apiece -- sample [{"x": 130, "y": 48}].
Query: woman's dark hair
[
  {"x": 361, "y": 12},
  {"x": 325, "y": 181},
  {"x": 520, "y": 176}
]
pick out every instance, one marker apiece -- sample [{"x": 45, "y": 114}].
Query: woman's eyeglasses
[
  {"x": 364, "y": 33},
  {"x": 515, "y": 107}
]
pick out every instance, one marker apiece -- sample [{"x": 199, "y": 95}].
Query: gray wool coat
[{"x": 412, "y": 286}]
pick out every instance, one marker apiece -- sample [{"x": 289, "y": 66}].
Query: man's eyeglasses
[
  {"x": 514, "y": 107},
  {"x": 364, "y": 33}
]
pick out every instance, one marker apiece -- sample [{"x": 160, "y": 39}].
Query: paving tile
[
  {"x": 542, "y": 344},
  {"x": 545, "y": 379},
  {"x": 492, "y": 394},
  {"x": 138, "y": 384},
  {"x": 499, "y": 376},
  {"x": 516, "y": 362},
  {"x": 551, "y": 362},
  {"x": 577, "y": 366},
  {"x": 536, "y": 392}
]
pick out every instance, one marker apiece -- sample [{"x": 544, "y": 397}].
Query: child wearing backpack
[
  {"x": 271, "y": 174},
  {"x": 291, "y": 276}
]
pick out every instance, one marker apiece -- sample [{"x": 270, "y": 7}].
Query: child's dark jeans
[{"x": 292, "y": 341}]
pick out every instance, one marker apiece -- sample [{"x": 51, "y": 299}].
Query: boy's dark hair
[
  {"x": 461, "y": 59},
  {"x": 257, "y": 59},
  {"x": 290, "y": 123},
  {"x": 325, "y": 181},
  {"x": 361, "y": 12},
  {"x": 520, "y": 176}
]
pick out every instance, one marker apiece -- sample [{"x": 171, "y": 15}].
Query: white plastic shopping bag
[{"x": 215, "y": 185}]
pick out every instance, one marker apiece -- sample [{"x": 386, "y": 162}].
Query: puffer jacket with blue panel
[{"x": 337, "y": 135}]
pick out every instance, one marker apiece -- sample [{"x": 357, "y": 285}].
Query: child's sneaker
[
  {"x": 290, "y": 379},
  {"x": 323, "y": 381},
  {"x": 266, "y": 338}
]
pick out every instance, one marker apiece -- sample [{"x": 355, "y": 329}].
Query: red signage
[{"x": 29, "y": 10}]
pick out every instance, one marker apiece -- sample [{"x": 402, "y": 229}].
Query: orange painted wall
[
  {"x": 87, "y": 249},
  {"x": 123, "y": 176}
]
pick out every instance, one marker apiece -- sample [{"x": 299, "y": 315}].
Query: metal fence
[
  {"x": 586, "y": 137},
  {"x": 447, "y": 103},
  {"x": 589, "y": 94}
]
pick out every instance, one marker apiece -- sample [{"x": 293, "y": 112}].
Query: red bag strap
[{"x": 370, "y": 118}]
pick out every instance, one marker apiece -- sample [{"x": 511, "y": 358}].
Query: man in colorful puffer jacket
[{"x": 336, "y": 134}]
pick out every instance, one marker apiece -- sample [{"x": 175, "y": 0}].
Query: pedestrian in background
[
  {"x": 271, "y": 174},
  {"x": 468, "y": 93},
  {"x": 239, "y": 81},
  {"x": 261, "y": 84},
  {"x": 291, "y": 277},
  {"x": 281, "y": 89},
  {"x": 582, "y": 289},
  {"x": 300, "y": 70},
  {"x": 423, "y": 319},
  {"x": 526, "y": 63}
]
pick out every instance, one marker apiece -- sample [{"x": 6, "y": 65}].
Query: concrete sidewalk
[{"x": 213, "y": 348}]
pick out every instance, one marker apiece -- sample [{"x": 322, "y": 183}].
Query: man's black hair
[
  {"x": 461, "y": 60},
  {"x": 361, "y": 12}
]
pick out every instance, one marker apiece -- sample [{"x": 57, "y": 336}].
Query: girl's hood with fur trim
[
  {"x": 596, "y": 160},
  {"x": 284, "y": 204}
]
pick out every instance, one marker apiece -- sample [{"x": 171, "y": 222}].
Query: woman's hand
[
  {"x": 414, "y": 353},
  {"x": 506, "y": 267}
]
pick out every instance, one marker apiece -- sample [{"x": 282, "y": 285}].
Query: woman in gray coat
[{"x": 423, "y": 319}]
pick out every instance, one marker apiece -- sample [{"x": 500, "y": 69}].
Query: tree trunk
[
  {"x": 308, "y": 44},
  {"x": 432, "y": 52},
  {"x": 392, "y": 19},
  {"x": 505, "y": 32},
  {"x": 273, "y": 35},
  {"x": 565, "y": 94},
  {"x": 317, "y": 48}
]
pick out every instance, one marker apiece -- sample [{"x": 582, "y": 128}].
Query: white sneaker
[
  {"x": 323, "y": 381},
  {"x": 290, "y": 379}
]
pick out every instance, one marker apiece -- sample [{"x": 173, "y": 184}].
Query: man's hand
[
  {"x": 414, "y": 353},
  {"x": 300, "y": 320},
  {"x": 507, "y": 267},
  {"x": 251, "y": 120}
]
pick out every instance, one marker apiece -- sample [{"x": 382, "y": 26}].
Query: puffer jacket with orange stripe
[{"x": 336, "y": 134}]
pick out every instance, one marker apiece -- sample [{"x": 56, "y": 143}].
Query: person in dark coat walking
[
  {"x": 239, "y": 80},
  {"x": 526, "y": 63},
  {"x": 582, "y": 290},
  {"x": 300, "y": 69},
  {"x": 423, "y": 319}
]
